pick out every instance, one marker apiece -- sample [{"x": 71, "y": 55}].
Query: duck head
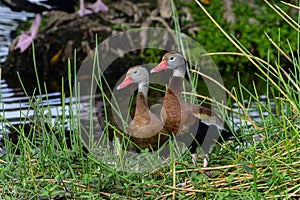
[
  {"x": 174, "y": 61},
  {"x": 138, "y": 75}
]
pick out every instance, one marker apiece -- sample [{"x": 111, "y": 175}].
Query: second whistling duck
[
  {"x": 180, "y": 115},
  {"x": 144, "y": 130},
  {"x": 36, "y": 6}
]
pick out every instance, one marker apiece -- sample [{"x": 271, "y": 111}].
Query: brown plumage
[
  {"x": 145, "y": 128},
  {"x": 182, "y": 117}
]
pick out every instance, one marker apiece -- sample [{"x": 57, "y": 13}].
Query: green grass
[{"x": 42, "y": 165}]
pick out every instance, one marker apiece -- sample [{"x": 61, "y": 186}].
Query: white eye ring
[
  {"x": 172, "y": 58},
  {"x": 135, "y": 72}
]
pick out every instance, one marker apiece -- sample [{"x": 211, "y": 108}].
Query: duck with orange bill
[
  {"x": 146, "y": 129},
  {"x": 180, "y": 115}
]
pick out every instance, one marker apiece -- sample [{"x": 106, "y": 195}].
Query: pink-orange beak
[
  {"x": 127, "y": 81},
  {"x": 162, "y": 66}
]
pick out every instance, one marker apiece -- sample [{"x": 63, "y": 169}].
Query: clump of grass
[{"x": 45, "y": 164}]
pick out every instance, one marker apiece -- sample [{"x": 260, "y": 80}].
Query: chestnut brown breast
[
  {"x": 177, "y": 113},
  {"x": 145, "y": 129}
]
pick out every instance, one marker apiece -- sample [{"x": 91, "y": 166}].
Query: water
[
  {"x": 8, "y": 23},
  {"x": 12, "y": 99},
  {"x": 17, "y": 108}
]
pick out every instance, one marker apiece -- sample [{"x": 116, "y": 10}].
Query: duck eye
[
  {"x": 135, "y": 72},
  {"x": 172, "y": 58}
]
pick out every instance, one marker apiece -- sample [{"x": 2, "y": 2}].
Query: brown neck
[
  {"x": 141, "y": 109},
  {"x": 175, "y": 87}
]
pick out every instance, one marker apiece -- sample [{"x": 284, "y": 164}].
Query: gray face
[
  {"x": 175, "y": 60},
  {"x": 138, "y": 74}
]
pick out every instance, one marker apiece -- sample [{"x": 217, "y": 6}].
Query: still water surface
[
  {"x": 16, "y": 106},
  {"x": 8, "y": 23}
]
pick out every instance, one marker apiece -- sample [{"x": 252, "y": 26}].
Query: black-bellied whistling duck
[
  {"x": 180, "y": 115},
  {"x": 144, "y": 130},
  {"x": 96, "y": 7},
  {"x": 36, "y": 6}
]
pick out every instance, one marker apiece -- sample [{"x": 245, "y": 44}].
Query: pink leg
[
  {"x": 205, "y": 160},
  {"x": 35, "y": 26},
  {"x": 98, "y": 6},
  {"x": 25, "y": 40},
  {"x": 82, "y": 10},
  {"x": 194, "y": 159}
]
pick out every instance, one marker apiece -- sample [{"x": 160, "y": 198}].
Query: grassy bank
[{"x": 261, "y": 163}]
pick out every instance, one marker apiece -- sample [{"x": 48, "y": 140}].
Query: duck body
[
  {"x": 145, "y": 129},
  {"x": 182, "y": 117}
]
